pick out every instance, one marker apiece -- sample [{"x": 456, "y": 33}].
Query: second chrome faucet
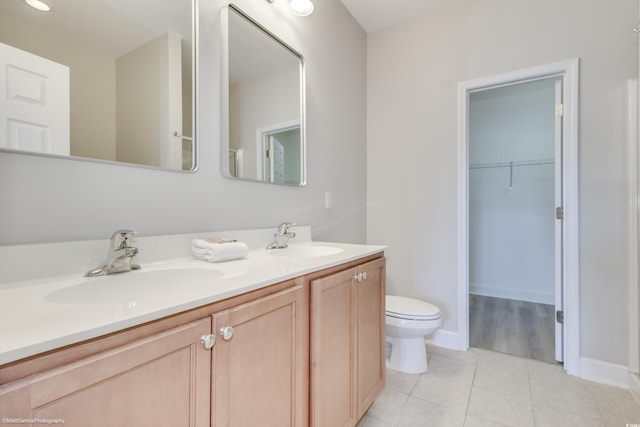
[{"x": 282, "y": 236}]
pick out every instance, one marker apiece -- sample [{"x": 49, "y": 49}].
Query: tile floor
[{"x": 480, "y": 388}]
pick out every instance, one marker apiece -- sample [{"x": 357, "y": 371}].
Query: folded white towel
[{"x": 216, "y": 252}]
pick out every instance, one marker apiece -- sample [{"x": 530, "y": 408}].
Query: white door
[
  {"x": 559, "y": 296},
  {"x": 34, "y": 103},
  {"x": 276, "y": 160}
]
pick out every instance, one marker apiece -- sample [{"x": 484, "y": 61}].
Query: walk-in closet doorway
[
  {"x": 514, "y": 135},
  {"x": 518, "y": 171}
]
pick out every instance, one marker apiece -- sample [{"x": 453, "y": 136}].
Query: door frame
[
  {"x": 568, "y": 70},
  {"x": 262, "y": 143}
]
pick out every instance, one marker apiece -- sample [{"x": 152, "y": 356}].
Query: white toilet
[{"x": 407, "y": 322}]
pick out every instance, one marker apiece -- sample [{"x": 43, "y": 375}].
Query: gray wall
[
  {"x": 412, "y": 73},
  {"x": 46, "y": 200}
]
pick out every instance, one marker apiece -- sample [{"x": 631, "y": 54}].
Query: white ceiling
[{"x": 376, "y": 14}]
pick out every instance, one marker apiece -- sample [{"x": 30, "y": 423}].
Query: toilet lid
[{"x": 410, "y": 308}]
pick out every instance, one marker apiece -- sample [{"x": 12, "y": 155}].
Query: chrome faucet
[
  {"x": 119, "y": 257},
  {"x": 282, "y": 236}
]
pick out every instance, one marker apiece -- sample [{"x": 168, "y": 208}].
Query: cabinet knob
[
  {"x": 208, "y": 341},
  {"x": 226, "y": 332},
  {"x": 360, "y": 277}
]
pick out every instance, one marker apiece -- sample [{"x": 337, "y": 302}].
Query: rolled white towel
[{"x": 216, "y": 252}]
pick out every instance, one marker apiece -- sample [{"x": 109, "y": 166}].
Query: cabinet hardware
[
  {"x": 360, "y": 277},
  {"x": 226, "y": 332},
  {"x": 208, "y": 341}
]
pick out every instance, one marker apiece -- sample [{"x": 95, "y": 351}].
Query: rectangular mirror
[
  {"x": 109, "y": 80},
  {"x": 263, "y": 137}
]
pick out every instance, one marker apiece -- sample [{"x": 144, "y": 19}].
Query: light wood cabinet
[
  {"x": 258, "y": 372},
  {"x": 162, "y": 380},
  {"x": 347, "y": 343},
  {"x": 260, "y": 366}
]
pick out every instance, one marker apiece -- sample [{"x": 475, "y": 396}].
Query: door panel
[
  {"x": 258, "y": 370},
  {"x": 34, "y": 103},
  {"x": 559, "y": 330}
]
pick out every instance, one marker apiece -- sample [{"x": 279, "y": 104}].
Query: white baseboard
[
  {"x": 511, "y": 293},
  {"x": 604, "y": 373},
  {"x": 445, "y": 339}
]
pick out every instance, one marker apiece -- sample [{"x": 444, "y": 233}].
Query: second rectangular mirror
[{"x": 262, "y": 104}]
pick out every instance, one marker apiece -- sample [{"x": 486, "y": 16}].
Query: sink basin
[
  {"x": 128, "y": 288},
  {"x": 306, "y": 251}
]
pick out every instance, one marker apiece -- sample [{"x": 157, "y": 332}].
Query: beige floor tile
[
  {"x": 451, "y": 368},
  {"x": 368, "y": 421},
  {"x": 448, "y": 383},
  {"x": 420, "y": 413},
  {"x": 554, "y": 417},
  {"x": 505, "y": 373},
  {"x": 552, "y": 387},
  {"x": 507, "y": 409},
  {"x": 472, "y": 421},
  {"x": 388, "y": 406},
  {"x": 466, "y": 356},
  {"x": 616, "y": 405},
  {"x": 399, "y": 381},
  {"x": 480, "y": 388}
]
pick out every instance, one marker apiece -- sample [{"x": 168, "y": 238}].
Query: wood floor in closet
[{"x": 513, "y": 327}]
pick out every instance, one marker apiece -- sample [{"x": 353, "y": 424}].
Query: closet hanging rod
[{"x": 512, "y": 164}]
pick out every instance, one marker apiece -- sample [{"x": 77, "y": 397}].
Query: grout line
[{"x": 473, "y": 382}]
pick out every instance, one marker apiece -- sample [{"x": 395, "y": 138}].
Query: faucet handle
[
  {"x": 119, "y": 239},
  {"x": 284, "y": 227}
]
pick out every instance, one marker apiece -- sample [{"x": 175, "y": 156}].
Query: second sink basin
[{"x": 306, "y": 251}]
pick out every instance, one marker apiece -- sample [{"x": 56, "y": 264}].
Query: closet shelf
[{"x": 512, "y": 164}]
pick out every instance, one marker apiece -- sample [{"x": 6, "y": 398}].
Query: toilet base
[{"x": 408, "y": 355}]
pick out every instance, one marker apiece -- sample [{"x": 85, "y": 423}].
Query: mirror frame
[
  {"x": 224, "y": 98},
  {"x": 195, "y": 114}
]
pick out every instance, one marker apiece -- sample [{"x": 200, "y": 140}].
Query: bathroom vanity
[{"x": 289, "y": 338}]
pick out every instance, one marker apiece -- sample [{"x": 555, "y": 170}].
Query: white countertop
[{"x": 45, "y": 313}]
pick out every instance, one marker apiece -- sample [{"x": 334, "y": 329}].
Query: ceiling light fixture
[
  {"x": 300, "y": 7},
  {"x": 38, "y": 4}
]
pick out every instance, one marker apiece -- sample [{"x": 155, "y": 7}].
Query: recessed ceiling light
[{"x": 39, "y": 4}]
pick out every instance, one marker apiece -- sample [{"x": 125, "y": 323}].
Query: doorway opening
[
  {"x": 514, "y": 133},
  {"x": 518, "y": 232}
]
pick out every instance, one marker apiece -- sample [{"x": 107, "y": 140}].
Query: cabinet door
[
  {"x": 163, "y": 380},
  {"x": 333, "y": 350},
  {"x": 370, "y": 327},
  {"x": 259, "y": 368}
]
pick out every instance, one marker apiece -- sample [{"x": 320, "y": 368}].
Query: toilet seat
[{"x": 410, "y": 309}]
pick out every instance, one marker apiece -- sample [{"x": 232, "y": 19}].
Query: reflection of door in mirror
[
  {"x": 282, "y": 156},
  {"x": 34, "y": 103}
]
